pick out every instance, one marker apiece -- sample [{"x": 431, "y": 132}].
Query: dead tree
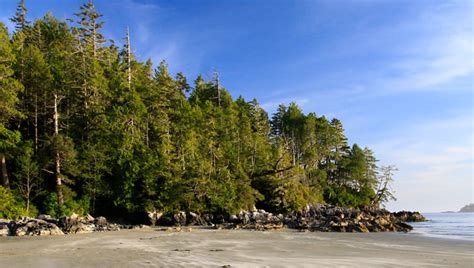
[
  {"x": 57, "y": 162},
  {"x": 218, "y": 90},
  {"x": 129, "y": 60}
]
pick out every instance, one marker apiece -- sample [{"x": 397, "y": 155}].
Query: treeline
[{"x": 86, "y": 127}]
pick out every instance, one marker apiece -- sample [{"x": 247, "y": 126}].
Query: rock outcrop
[
  {"x": 180, "y": 218},
  {"x": 323, "y": 218},
  {"x": 46, "y": 225},
  {"x": 409, "y": 216},
  {"x": 25, "y": 226},
  {"x": 4, "y": 230}
]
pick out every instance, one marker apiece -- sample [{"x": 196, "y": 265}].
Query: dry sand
[{"x": 238, "y": 248}]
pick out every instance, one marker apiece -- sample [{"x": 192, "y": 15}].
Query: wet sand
[{"x": 238, "y": 248}]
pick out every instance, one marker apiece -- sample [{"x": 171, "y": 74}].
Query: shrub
[
  {"x": 10, "y": 208},
  {"x": 51, "y": 206}
]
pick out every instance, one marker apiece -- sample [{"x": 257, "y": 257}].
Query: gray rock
[
  {"x": 180, "y": 218},
  {"x": 154, "y": 216},
  {"x": 82, "y": 228},
  {"x": 44, "y": 217},
  {"x": 33, "y": 227},
  {"x": 89, "y": 218},
  {"x": 233, "y": 218},
  {"x": 100, "y": 220},
  {"x": 4, "y": 229}
]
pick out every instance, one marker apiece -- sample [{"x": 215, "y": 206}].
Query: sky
[{"x": 398, "y": 74}]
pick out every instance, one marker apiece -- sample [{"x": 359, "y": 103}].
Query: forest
[{"x": 86, "y": 127}]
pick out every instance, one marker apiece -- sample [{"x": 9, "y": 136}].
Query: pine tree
[
  {"x": 277, "y": 121},
  {"x": 37, "y": 82},
  {"x": 9, "y": 90},
  {"x": 21, "y": 23},
  {"x": 89, "y": 26},
  {"x": 27, "y": 177},
  {"x": 106, "y": 134}
]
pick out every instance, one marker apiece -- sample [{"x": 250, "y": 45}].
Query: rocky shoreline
[
  {"x": 45, "y": 225},
  {"x": 320, "y": 218},
  {"x": 328, "y": 219}
]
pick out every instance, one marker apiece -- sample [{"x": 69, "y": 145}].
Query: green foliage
[
  {"x": 10, "y": 207},
  {"x": 28, "y": 182},
  {"x": 71, "y": 205},
  {"x": 130, "y": 138},
  {"x": 10, "y": 88}
]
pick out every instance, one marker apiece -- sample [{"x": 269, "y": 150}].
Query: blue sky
[{"x": 399, "y": 74}]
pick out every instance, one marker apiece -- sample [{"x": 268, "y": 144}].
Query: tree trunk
[
  {"x": 57, "y": 171},
  {"x": 5, "y": 180},
  {"x": 36, "y": 123},
  {"x": 28, "y": 205},
  {"x": 28, "y": 192},
  {"x": 129, "y": 60},
  {"x": 216, "y": 81}
]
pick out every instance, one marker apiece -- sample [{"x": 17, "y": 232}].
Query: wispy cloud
[
  {"x": 431, "y": 61},
  {"x": 167, "y": 51},
  {"x": 427, "y": 53},
  {"x": 423, "y": 52},
  {"x": 434, "y": 158}
]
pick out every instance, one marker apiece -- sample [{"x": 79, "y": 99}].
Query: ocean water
[{"x": 446, "y": 225}]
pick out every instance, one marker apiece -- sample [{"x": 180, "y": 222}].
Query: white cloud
[
  {"x": 428, "y": 67},
  {"x": 421, "y": 53},
  {"x": 166, "y": 51},
  {"x": 435, "y": 162}
]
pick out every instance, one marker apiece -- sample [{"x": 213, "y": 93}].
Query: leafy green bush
[
  {"x": 51, "y": 206},
  {"x": 285, "y": 193},
  {"x": 10, "y": 208},
  {"x": 347, "y": 197}
]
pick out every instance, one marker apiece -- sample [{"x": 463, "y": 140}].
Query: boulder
[
  {"x": 180, "y": 218},
  {"x": 404, "y": 227},
  {"x": 154, "y": 216},
  {"x": 409, "y": 216},
  {"x": 100, "y": 220},
  {"x": 194, "y": 219},
  {"x": 209, "y": 218},
  {"x": 44, "y": 217},
  {"x": 170, "y": 219},
  {"x": 25, "y": 226},
  {"x": 81, "y": 228},
  {"x": 74, "y": 217},
  {"x": 4, "y": 229},
  {"x": 233, "y": 219},
  {"x": 89, "y": 218}
]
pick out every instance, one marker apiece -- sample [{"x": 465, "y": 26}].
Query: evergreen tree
[
  {"x": 102, "y": 133},
  {"x": 21, "y": 23},
  {"x": 27, "y": 177},
  {"x": 9, "y": 90},
  {"x": 89, "y": 26}
]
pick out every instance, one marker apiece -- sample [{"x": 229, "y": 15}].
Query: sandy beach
[{"x": 217, "y": 248}]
